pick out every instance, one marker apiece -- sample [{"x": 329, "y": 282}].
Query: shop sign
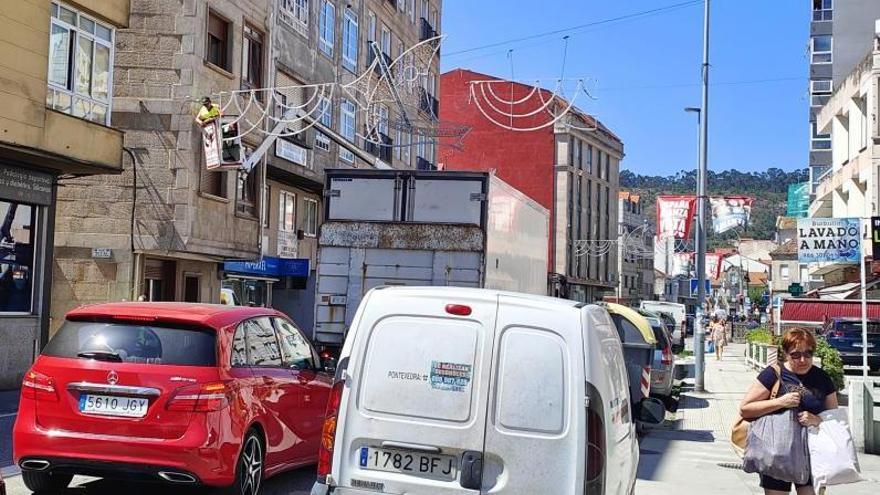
[
  {"x": 291, "y": 152},
  {"x": 830, "y": 240},
  {"x": 270, "y": 266},
  {"x": 22, "y": 185}
]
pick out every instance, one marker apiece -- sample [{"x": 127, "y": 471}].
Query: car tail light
[
  {"x": 203, "y": 397},
  {"x": 37, "y": 386},
  {"x": 328, "y": 433},
  {"x": 837, "y": 334},
  {"x": 595, "y": 452},
  {"x": 667, "y": 358}
]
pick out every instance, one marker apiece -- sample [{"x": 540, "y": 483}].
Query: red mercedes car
[{"x": 169, "y": 392}]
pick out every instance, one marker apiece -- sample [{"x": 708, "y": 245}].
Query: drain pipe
[{"x": 131, "y": 282}]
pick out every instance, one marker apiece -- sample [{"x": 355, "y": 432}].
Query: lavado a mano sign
[{"x": 829, "y": 240}]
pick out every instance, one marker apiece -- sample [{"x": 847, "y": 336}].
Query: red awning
[{"x": 819, "y": 310}]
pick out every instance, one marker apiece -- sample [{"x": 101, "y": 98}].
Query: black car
[{"x": 845, "y": 335}]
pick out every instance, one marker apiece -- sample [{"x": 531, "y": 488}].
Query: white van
[
  {"x": 677, "y": 311},
  {"x": 446, "y": 391}
]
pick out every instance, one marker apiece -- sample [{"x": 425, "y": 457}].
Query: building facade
[
  {"x": 177, "y": 231},
  {"x": 54, "y": 125},
  {"x": 850, "y": 188},
  {"x": 840, "y": 35},
  {"x": 571, "y": 168},
  {"x": 635, "y": 256}
]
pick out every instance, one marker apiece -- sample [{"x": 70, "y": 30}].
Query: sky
[{"x": 644, "y": 71}]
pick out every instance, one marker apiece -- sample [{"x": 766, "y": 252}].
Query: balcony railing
[
  {"x": 371, "y": 57},
  {"x": 428, "y": 30},
  {"x": 423, "y": 164},
  {"x": 429, "y": 104},
  {"x": 381, "y": 149}
]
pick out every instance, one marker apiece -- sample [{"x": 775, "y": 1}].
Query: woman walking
[
  {"x": 719, "y": 337},
  {"x": 803, "y": 387}
]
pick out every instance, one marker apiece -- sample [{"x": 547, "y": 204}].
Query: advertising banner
[
  {"x": 221, "y": 144},
  {"x": 681, "y": 264},
  {"x": 730, "y": 213},
  {"x": 833, "y": 240},
  {"x": 674, "y": 216},
  {"x": 713, "y": 265}
]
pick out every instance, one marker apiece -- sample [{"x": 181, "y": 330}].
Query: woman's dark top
[{"x": 815, "y": 385}]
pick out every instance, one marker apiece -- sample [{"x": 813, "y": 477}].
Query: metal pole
[
  {"x": 864, "y": 317},
  {"x": 699, "y": 334}
]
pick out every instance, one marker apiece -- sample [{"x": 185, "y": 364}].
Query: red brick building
[{"x": 571, "y": 168}]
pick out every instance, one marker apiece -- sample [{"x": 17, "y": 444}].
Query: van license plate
[
  {"x": 107, "y": 405},
  {"x": 434, "y": 466}
]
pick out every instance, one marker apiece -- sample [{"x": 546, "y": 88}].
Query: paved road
[{"x": 297, "y": 482}]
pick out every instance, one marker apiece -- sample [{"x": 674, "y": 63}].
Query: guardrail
[
  {"x": 759, "y": 356},
  {"x": 872, "y": 426}
]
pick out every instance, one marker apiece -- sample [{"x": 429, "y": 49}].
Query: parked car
[
  {"x": 638, "y": 341},
  {"x": 459, "y": 391},
  {"x": 676, "y": 340},
  {"x": 663, "y": 362},
  {"x": 678, "y": 312},
  {"x": 169, "y": 392},
  {"x": 845, "y": 335}
]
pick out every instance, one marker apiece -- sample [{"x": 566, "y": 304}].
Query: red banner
[
  {"x": 675, "y": 215},
  {"x": 713, "y": 265}
]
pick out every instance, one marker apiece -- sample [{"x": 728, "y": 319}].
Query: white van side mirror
[{"x": 651, "y": 411}]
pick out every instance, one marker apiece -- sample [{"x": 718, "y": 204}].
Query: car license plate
[
  {"x": 435, "y": 466},
  {"x": 107, "y": 405}
]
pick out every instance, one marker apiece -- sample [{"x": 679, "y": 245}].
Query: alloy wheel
[{"x": 251, "y": 466}]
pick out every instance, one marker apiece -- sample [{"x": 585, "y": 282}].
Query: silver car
[{"x": 662, "y": 367}]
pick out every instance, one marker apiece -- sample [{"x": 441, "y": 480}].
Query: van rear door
[
  {"x": 417, "y": 385},
  {"x": 536, "y": 401}
]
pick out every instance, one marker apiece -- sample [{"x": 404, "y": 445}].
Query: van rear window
[
  {"x": 133, "y": 343},
  {"x": 421, "y": 367}
]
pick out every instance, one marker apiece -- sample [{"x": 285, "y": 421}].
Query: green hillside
[{"x": 769, "y": 189}]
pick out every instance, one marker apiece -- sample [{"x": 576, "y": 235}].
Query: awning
[{"x": 819, "y": 310}]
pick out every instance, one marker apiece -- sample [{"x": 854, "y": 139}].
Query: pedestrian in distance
[
  {"x": 719, "y": 336},
  {"x": 803, "y": 387}
]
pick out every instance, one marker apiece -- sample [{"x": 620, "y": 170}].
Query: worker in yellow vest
[{"x": 208, "y": 112}]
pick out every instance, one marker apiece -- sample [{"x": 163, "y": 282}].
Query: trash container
[{"x": 638, "y": 342}]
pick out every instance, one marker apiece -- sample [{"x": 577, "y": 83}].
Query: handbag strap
[{"x": 775, "y": 391}]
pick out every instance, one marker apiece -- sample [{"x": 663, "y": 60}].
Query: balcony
[
  {"x": 429, "y": 104},
  {"x": 382, "y": 149},
  {"x": 427, "y": 31},
  {"x": 371, "y": 57},
  {"x": 423, "y": 164}
]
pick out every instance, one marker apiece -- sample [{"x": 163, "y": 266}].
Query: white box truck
[{"x": 422, "y": 228}]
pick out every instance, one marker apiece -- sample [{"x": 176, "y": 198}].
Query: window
[
  {"x": 252, "y": 60},
  {"x": 821, "y": 49},
  {"x": 599, "y": 158},
  {"x": 412, "y": 10},
  {"x": 386, "y": 41},
  {"x": 327, "y": 28},
  {"x": 371, "y": 28},
  {"x": 823, "y": 10},
  {"x": 575, "y": 152},
  {"x": 607, "y": 167},
  {"x": 819, "y": 142},
  {"x": 212, "y": 182},
  {"x": 784, "y": 272},
  {"x": 347, "y": 127},
  {"x": 350, "y": 41},
  {"x": 262, "y": 343},
  {"x": 325, "y": 117},
  {"x": 383, "y": 120},
  {"x": 296, "y": 352},
  {"x": 295, "y": 13},
  {"x": 311, "y": 220},
  {"x": 246, "y": 192},
  {"x": 286, "y": 211},
  {"x": 820, "y": 91},
  {"x": 80, "y": 65},
  {"x": 589, "y": 158},
  {"x": 239, "y": 347},
  {"x": 17, "y": 262},
  {"x": 218, "y": 42}
]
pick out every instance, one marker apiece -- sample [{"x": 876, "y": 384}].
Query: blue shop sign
[{"x": 270, "y": 267}]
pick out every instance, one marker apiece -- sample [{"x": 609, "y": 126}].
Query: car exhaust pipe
[
  {"x": 35, "y": 465},
  {"x": 173, "y": 477}
]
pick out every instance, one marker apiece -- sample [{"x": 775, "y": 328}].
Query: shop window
[
  {"x": 80, "y": 65},
  {"x": 159, "y": 276},
  {"x": 17, "y": 257}
]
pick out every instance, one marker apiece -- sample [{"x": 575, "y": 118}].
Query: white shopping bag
[{"x": 833, "y": 457}]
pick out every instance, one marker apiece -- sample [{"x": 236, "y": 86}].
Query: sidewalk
[
  {"x": 691, "y": 453},
  {"x": 8, "y": 409}
]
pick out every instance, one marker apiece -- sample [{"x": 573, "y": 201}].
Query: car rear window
[
  {"x": 134, "y": 343},
  {"x": 856, "y": 326},
  {"x": 660, "y": 335}
]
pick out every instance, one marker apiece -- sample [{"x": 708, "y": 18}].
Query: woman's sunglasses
[{"x": 797, "y": 355}]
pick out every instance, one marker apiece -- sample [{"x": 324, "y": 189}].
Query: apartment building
[
  {"x": 571, "y": 168},
  {"x": 635, "y": 260},
  {"x": 55, "y": 103},
  {"x": 177, "y": 231},
  {"x": 840, "y": 35}
]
